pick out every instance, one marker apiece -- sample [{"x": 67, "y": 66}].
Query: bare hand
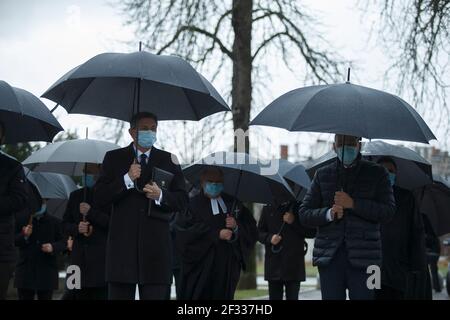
[
  {"x": 152, "y": 191},
  {"x": 275, "y": 239},
  {"x": 135, "y": 171},
  {"x": 225, "y": 234},
  {"x": 84, "y": 208},
  {"x": 343, "y": 199},
  {"x": 337, "y": 212},
  {"x": 83, "y": 227},
  {"x": 288, "y": 217},
  {"x": 27, "y": 230},
  {"x": 47, "y": 248},
  {"x": 69, "y": 244},
  {"x": 230, "y": 222}
]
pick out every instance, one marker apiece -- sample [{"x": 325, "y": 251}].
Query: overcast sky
[{"x": 41, "y": 40}]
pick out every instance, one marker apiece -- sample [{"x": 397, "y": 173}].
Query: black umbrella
[
  {"x": 346, "y": 109},
  {"x": 246, "y": 178},
  {"x": 296, "y": 174},
  {"x": 434, "y": 201},
  {"x": 119, "y": 85},
  {"x": 413, "y": 171},
  {"x": 25, "y": 117}
]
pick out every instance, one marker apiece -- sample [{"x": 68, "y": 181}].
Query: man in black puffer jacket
[{"x": 347, "y": 203}]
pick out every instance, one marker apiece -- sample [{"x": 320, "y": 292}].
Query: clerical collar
[{"x": 215, "y": 202}]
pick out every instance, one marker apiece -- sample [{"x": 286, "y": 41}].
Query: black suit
[
  {"x": 89, "y": 253},
  {"x": 13, "y": 198},
  {"x": 139, "y": 246}
]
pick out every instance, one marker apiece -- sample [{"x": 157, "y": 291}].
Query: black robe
[
  {"x": 210, "y": 267},
  {"x": 289, "y": 263},
  {"x": 89, "y": 253},
  {"x": 139, "y": 247},
  {"x": 35, "y": 269}
]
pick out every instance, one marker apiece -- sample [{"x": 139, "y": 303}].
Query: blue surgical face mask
[
  {"x": 392, "y": 177},
  {"x": 89, "y": 180},
  {"x": 213, "y": 189},
  {"x": 146, "y": 138},
  {"x": 41, "y": 211},
  {"x": 350, "y": 154}
]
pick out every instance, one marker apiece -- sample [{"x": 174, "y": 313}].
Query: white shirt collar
[
  {"x": 139, "y": 152},
  {"x": 215, "y": 203}
]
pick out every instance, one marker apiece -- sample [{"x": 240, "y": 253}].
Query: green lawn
[
  {"x": 310, "y": 270},
  {"x": 246, "y": 294}
]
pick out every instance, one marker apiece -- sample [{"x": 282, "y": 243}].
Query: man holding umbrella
[
  {"x": 13, "y": 198},
  {"x": 88, "y": 227},
  {"x": 139, "y": 247},
  {"x": 347, "y": 201},
  {"x": 214, "y": 244}
]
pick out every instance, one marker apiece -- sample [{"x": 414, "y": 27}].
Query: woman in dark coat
[
  {"x": 39, "y": 245},
  {"x": 284, "y": 266},
  {"x": 89, "y": 248}
]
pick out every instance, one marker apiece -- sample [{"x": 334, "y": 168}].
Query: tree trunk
[
  {"x": 241, "y": 91},
  {"x": 242, "y": 97}
]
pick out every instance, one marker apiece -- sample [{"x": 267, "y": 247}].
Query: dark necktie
[{"x": 143, "y": 161}]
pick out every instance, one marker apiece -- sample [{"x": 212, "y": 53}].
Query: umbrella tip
[
  {"x": 348, "y": 75},
  {"x": 140, "y": 45}
]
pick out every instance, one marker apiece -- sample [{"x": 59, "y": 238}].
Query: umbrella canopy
[
  {"x": 25, "y": 117},
  {"x": 434, "y": 201},
  {"x": 442, "y": 180},
  {"x": 51, "y": 185},
  {"x": 57, "y": 207},
  {"x": 69, "y": 157},
  {"x": 297, "y": 175},
  {"x": 245, "y": 177},
  {"x": 413, "y": 171},
  {"x": 110, "y": 84},
  {"x": 346, "y": 109}
]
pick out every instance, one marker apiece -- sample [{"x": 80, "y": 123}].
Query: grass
[
  {"x": 246, "y": 294},
  {"x": 310, "y": 270}
]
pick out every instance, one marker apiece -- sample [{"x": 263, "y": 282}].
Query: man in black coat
[
  {"x": 13, "y": 198},
  {"x": 39, "y": 244},
  {"x": 138, "y": 247},
  {"x": 284, "y": 264},
  {"x": 88, "y": 227},
  {"x": 214, "y": 245},
  {"x": 347, "y": 201},
  {"x": 403, "y": 242}
]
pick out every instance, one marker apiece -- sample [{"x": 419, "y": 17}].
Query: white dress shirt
[{"x": 129, "y": 184}]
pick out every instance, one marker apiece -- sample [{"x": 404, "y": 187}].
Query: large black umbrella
[
  {"x": 413, "y": 171},
  {"x": 246, "y": 178},
  {"x": 118, "y": 85},
  {"x": 25, "y": 117},
  {"x": 434, "y": 201},
  {"x": 346, "y": 109}
]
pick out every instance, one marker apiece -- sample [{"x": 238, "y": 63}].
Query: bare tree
[
  {"x": 236, "y": 40},
  {"x": 416, "y": 35}
]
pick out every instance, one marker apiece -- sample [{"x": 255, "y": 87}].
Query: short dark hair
[
  {"x": 386, "y": 159},
  {"x": 142, "y": 115}
]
